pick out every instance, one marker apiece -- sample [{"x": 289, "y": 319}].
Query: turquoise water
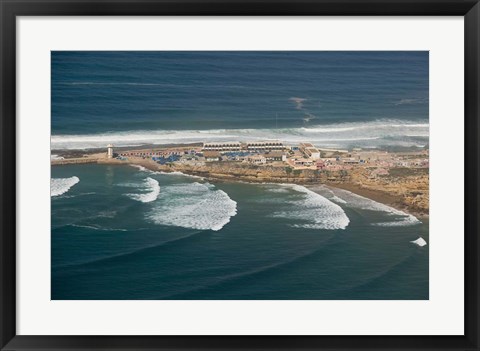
[{"x": 114, "y": 236}]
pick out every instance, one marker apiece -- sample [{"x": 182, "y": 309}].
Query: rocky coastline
[{"x": 405, "y": 189}]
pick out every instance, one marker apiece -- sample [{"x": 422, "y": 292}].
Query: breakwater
[{"x": 72, "y": 161}]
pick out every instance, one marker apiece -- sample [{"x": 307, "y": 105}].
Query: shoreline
[
  {"x": 393, "y": 200},
  {"x": 379, "y": 196}
]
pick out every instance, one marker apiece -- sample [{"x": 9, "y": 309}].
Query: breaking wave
[
  {"x": 316, "y": 211},
  {"x": 407, "y": 220},
  {"x": 412, "y": 101},
  {"x": 338, "y": 200},
  {"x": 143, "y": 169},
  {"x": 153, "y": 188},
  {"x": 384, "y": 132},
  {"x": 178, "y": 173},
  {"x": 420, "y": 242},
  {"x": 356, "y": 201},
  {"x": 298, "y": 102},
  {"x": 54, "y": 157},
  {"x": 193, "y": 205},
  {"x": 59, "y": 186}
]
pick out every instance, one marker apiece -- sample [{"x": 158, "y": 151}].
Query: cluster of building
[
  {"x": 254, "y": 146},
  {"x": 276, "y": 153},
  {"x": 262, "y": 152}
]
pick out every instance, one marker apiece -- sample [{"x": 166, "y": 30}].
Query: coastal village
[
  {"x": 400, "y": 178},
  {"x": 303, "y": 156}
]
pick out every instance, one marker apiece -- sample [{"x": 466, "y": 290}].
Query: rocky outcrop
[
  {"x": 406, "y": 189},
  {"x": 246, "y": 172},
  {"x": 409, "y": 185}
]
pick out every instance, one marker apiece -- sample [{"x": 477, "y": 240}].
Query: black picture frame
[{"x": 9, "y": 340}]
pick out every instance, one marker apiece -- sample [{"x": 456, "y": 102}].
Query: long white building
[
  {"x": 225, "y": 146},
  {"x": 248, "y": 146},
  {"x": 265, "y": 145}
]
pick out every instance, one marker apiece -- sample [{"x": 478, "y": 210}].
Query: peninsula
[{"x": 396, "y": 178}]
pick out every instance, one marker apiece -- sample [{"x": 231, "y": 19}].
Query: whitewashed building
[{"x": 309, "y": 151}]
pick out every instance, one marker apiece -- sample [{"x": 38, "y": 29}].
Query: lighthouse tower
[{"x": 110, "y": 151}]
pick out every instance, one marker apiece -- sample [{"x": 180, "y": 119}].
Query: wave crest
[
  {"x": 178, "y": 173},
  {"x": 194, "y": 205},
  {"x": 315, "y": 210},
  {"x": 153, "y": 191},
  {"x": 420, "y": 242},
  {"x": 356, "y": 201},
  {"x": 59, "y": 186},
  {"x": 381, "y": 132}
]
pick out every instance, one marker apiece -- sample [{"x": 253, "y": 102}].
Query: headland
[{"x": 396, "y": 178}]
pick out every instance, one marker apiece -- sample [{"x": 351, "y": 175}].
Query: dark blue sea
[
  {"x": 120, "y": 232},
  {"x": 336, "y": 99}
]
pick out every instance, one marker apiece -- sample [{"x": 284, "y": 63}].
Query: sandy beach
[{"x": 394, "y": 200}]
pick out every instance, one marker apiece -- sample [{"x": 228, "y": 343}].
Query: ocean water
[
  {"x": 121, "y": 232},
  {"x": 334, "y": 99},
  {"x": 124, "y": 233}
]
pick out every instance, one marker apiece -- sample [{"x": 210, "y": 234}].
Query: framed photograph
[{"x": 197, "y": 175}]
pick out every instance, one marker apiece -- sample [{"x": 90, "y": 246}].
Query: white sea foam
[
  {"x": 382, "y": 132},
  {"x": 130, "y": 185},
  {"x": 59, "y": 186},
  {"x": 143, "y": 169},
  {"x": 363, "y": 203},
  {"x": 298, "y": 102},
  {"x": 153, "y": 188},
  {"x": 412, "y": 101},
  {"x": 405, "y": 221},
  {"x": 278, "y": 189},
  {"x": 193, "y": 205},
  {"x": 338, "y": 200},
  {"x": 54, "y": 157},
  {"x": 420, "y": 242},
  {"x": 178, "y": 173},
  {"x": 316, "y": 211}
]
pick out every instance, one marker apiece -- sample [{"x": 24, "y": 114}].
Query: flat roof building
[
  {"x": 211, "y": 156},
  {"x": 309, "y": 150},
  {"x": 276, "y": 156},
  {"x": 257, "y": 159},
  {"x": 265, "y": 145},
  {"x": 223, "y": 146}
]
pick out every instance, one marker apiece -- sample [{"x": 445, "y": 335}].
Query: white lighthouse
[{"x": 110, "y": 151}]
